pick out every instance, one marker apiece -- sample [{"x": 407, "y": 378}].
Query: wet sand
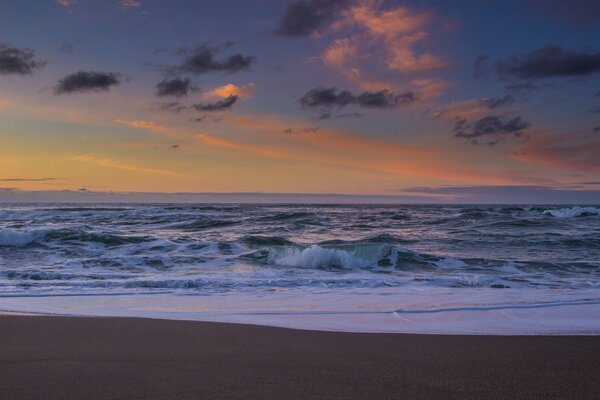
[{"x": 127, "y": 358}]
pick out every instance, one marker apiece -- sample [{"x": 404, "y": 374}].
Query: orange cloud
[
  {"x": 254, "y": 149},
  {"x": 351, "y": 151},
  {"x": 392, "y": 22},
  {"x": 385, "y": 37},
  {"x": 141, "y": 124},
  {"x": 575, "y": 151},
  {"x": 340, "y": 52},
  {"x": 232, "y": 90},
  {"x": 109, "y": 163}
]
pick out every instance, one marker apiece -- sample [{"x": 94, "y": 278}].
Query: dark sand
[{"x": 121, "y": 358}]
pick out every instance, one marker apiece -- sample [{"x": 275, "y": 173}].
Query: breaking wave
[{"x": 571, "y": 212}]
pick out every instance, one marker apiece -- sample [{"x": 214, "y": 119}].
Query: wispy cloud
[
  {"x": 30, "y": 179},
  {"x": 142, "y": 124},
  {"x": 575, "y": 151},
  {"x": 375, "y": 40},
  {"x": 110, "y": 163},
  {"x": 66, "y": 3},
  {"x": 129, "y": 4}
]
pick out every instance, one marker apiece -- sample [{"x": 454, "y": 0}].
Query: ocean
[{"x": 369, "y": 268}]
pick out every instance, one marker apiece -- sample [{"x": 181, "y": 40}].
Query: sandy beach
[{"x": 128, "y": 358}]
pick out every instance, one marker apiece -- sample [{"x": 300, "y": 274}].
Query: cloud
[
  {"x": 203, "y": 60},
  {"x": 576, "y": 151},
  {"x": 329, "y": 115},
  {"x": 86, "y": 81},
  {"x": 341, "y": 52},
  {"x": 304, "y": 17},
  {"x": 141, "y": 124},
  {"x": 129, "y": 4},
  {"x": 220, "y": 105},
  {"x": 66, "y": 3},
  {"x": 30, "y": 179},
  {"x": 396, "y": 31},
  {"x": 18, "y": 61},
  {"x": 209, "y": 118},
  {"x": 328, "y": 98},
  {"x": 366, "y": 156},
  {"x": 312, "y": 129},
  {"x": 473, "y": 108},
  {"x": 176, "y": 87},
  {"x": 376, "y": 39},
  {"x": 232, "y": 90},
  {"x": 494, "y": 127},
  {"x": 551, "y": 61},
  {"x": 110, "y": 163},
  {"x": 496, "y": 102},
  {"x": 172, "y": 106},
  {"x": 513, "y": 194}
]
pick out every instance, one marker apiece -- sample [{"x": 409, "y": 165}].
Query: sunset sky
[{"x": 432, "y": 99}]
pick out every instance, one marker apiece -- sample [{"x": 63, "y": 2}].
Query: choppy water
[{"x": 537, "y": 254}]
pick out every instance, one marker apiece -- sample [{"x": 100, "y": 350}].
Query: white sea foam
[
  {"x": 571, "y": 212},
  {"x": 316, "y": 256}
]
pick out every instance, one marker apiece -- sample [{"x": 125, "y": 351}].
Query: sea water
[{"x": 417, "y": 268}]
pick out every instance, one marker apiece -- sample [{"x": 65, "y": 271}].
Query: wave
[
  {"x": 204, "y": 223},
  {"x": 381, "y": 238},
  {"x": 291, "y": 215},
  {"x": 335, "y": 257},
  {"x": 21, "y": 238},
  {"x": 257, "y": 240},
  {"x": 571, "y": 212},
  {"x": 14, "y": 238}
]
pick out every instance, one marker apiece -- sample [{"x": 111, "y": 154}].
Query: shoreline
[
  {"x": 325, "y": 312},
  {"x": 52, "y": 357}
]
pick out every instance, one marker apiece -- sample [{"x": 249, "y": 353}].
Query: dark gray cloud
[
  {"x": 595, "y": 110},
  {"x": 172, "y": 106},
  {"x": 87, "y": 81},
  {"x": 220, "y": 105},
  {"x": 551, "y": 61},
  {"x": 203, "y": 59},
  {"x": 176, "y": 87},
  {"x": 329, "y": 115},
  {"x": 18, "y": 61},
  {"x": 597, "y": 129},
  {"x": 492, "y": 129},
  {"x": 329, "y": 98},
  {"x": 597, "y": 94},
  {"x": 312, "y": 129},
  {"x": 496, "y": 102},
  {"x": 303, "y": 17},
  {"x": 209, "y": 118}
]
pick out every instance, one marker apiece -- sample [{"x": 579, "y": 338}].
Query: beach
[{"x": 45, "y": 357}]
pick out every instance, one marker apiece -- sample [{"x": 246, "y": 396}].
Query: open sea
[{"x": 372, "y": 268}]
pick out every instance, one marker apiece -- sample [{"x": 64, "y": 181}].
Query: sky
[{"x": 414, "y": 101}]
